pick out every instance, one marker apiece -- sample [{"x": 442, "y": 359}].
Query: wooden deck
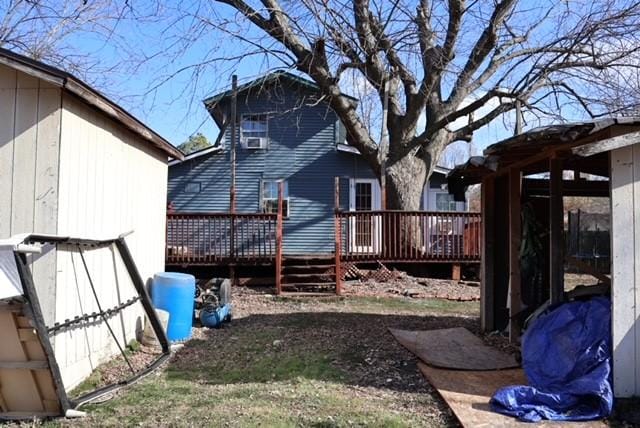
[
  {"x": 233, "y": 239},
  {"x": 409, "y": 236},
  {"x": 207, "y": 239}
]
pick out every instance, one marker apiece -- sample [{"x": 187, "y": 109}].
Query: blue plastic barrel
[{"x": 174, "y": 292}]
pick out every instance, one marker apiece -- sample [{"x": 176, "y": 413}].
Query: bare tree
[
  {"x": 45, "y": 29},
  {"x": 451, "y": 66}
]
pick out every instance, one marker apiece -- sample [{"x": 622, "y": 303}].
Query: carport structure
[{"x": 527, "y": 176}]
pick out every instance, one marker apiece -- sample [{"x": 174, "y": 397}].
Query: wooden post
[
  {"x": 338, "y": 236},
  {"x": 456, "y": 274},
  {"x": 279, "y": 240},
  {"x": 556, "y": 227},
  {"x": 515, "y": 237},
  {"x": 487, "y": 280}
]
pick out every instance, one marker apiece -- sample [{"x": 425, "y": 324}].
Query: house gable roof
[
  {"x": 89, "y": 95},
  {"x": 265, "y": 81}
]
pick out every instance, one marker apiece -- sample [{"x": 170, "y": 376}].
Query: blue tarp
[{"x": 566, "y": 356}]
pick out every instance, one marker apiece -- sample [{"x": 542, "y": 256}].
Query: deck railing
[
  {"x": 409, "y": 236},
  {"x": 216, "y": 238},
  {"x": 210, "y": 238}
]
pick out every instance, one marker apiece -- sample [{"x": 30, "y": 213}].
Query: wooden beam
[
  {"x": 338, "y": 236},
  {"x": 556, "y": 228},
  {"x": 540, "y": 187},
  {"x": 515, "y": 237},
  {"x": 487, "y": 284},
  {"x": 624, "y": 277},
  {"x": 456, "y": 271},
  {"x": 26, "y": 365},
  {"x": 27, "y": 334},
  {"x": 607, "y": 144},
  {"x": 279, "y": 239}
]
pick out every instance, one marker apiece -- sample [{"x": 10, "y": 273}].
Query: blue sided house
[{"x": 286, "y": 133}]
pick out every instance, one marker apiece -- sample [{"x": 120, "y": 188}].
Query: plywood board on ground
[
  {"x": 453, "y": 348},
  {"x": 468, "y": 392},
  {"x": 26, "y": 382}
]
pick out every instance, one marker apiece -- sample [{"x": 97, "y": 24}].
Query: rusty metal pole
[
  {"x": 279, "y": 239},
  {"x": 234, "y": 124},
  {"x": 232, "y": 190},
  {"x": 338, "y": 236}
]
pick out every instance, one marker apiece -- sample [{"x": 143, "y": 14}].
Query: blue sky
[{"x": 174, "y": 108}]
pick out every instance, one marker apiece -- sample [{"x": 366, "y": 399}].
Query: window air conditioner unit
[{"x": 254, "y": 143}]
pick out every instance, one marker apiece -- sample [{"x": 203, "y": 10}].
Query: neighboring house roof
[
  {"x": 89, "y": 95},
  {"x": 341, "y": 147},
  {"x": 197, "y": 153},
  {"x": 265, "y": 80}
]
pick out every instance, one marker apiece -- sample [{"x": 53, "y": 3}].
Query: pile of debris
[{"x": 382, "y": 282}]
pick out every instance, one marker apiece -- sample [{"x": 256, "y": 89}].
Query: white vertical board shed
[
  {"x": 74, "y": 163},
  {"x": 625, "y": 255}
]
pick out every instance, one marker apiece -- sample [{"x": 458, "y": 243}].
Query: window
[
  {"x": 253, "y": 131},
  {"x": 270, "y": 197},
  {"x": 445, "y": 202},
  {"x": 192, "y": 187}
]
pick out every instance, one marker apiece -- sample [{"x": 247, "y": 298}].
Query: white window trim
[
  {"x": 376, "y": 202},
  {"x": 376, "y": 224},
  {"x": 262, "y": 198},
  {"x": 243, "y": 139}
]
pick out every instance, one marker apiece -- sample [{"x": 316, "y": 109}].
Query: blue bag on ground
[{"x": 566, "y": 356}]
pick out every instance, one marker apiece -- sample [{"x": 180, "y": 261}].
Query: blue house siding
[
  {"x": 212, "y": 172},
  {"x": 301, "y": 149}
]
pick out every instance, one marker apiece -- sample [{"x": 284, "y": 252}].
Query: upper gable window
[{"x": 254, "y": 131}]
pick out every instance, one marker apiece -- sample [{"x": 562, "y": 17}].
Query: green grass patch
[
  {"x": 413, "y": 305},
  {"x": 305, "y": 402},
  {"x": 266, "y": 368}
]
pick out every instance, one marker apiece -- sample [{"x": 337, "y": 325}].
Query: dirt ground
[
  {"x": 326, "y": 361},
  {"x": 291, "y": 362},
  {"x": 417, "y": 288}
]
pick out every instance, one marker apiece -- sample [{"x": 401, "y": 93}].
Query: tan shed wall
[
  {"x": 30, "y": 115},
  {"x": 111, "y": 182},
  {"x": 625, "y": 269}
]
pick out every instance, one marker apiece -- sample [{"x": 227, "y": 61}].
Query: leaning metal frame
[{"x": 43, "y": 331}]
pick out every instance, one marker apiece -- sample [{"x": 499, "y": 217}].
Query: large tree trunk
[
  {"x": 407, "y": 175},
  {"x": 405, "y": 181}
]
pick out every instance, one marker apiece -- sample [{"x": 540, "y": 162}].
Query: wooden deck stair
[{"x": 308, "y": 274}]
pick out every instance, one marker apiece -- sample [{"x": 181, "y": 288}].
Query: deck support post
[
  {"x": 456, "y": 274},
  {"x": 556, "y": 227},
  {"x": 338, "y": 236},
  {"x": 515, "y": 237},
  {"x": 279, "y": 240},
  {"x": 487, "y": 280}
]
